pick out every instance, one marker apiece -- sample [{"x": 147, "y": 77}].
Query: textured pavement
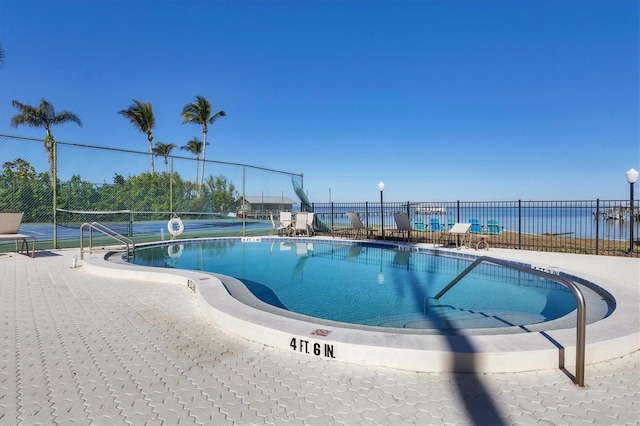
[{"x": 78, "y": 348}]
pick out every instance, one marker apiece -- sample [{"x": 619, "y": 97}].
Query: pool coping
[{"x": 613, "y": 337}]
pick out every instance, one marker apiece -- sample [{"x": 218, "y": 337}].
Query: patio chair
[
  {"x": 403, "y": 224},
  {"x": 9, "y": 226},
  {"x": 280, "y": 227},
  {"x": 494, "y": 228},
  {"x": 285, "y": 222},
  {"x": 436, "y": 229},
  {"x": 460, "y": 233},
  {"x": 356, "y": 227},
  {"x": 310, "y": 225},
  {"x": 434, "y": 225},
  {"x": 450, "y": 223},
  {"x": 418, "y": 224},
  {"x": 475, "y": 226},
  {"x": 300, "y": 226}
]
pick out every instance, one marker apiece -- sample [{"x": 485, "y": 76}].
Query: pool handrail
[
  {"x": 580, "y": 302},
  {"x": 105, "y": 230}
]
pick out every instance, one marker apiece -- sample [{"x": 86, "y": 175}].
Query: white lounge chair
[
  {"x": 9, "y": 226},
  {"x": 460, "y": 230}
]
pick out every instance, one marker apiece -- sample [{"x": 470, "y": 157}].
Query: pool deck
[{"x": 102, "y": 349}]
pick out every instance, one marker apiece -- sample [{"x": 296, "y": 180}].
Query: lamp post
[
  {"x": 381, "y": 188},
  {"x": 632, "y": 177}
]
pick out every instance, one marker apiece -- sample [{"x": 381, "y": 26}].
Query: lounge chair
[
  {"x": 403, "y": 224},
  {"x": 494, "y": 228},
  {"x": 9, "y": 226},
  {"x": 356, "y": 227},
  {"x": 460, "y": 233}
]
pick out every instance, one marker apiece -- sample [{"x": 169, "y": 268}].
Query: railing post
[
  {"x": 366, "y": 214},
  {"x": 331, "y": 212},
  {"x": 519, "y": 224},
  {"x": 597, "y": 226}
]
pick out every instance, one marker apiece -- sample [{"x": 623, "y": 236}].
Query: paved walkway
[{"x": 77, "y": 348}]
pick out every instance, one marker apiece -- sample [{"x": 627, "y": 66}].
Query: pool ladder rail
[
  {"x": 105, "y": 230},
  {"x": 577, "y": 293}
]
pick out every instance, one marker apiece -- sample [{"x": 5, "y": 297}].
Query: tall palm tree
[
  {"x": 164, "y": 149},
  {"x": 44, "y": 115},
  {"x": 199, "y": 112},
  {"x": 140, "y": 114},
  {"x": 194, "y": 146}
]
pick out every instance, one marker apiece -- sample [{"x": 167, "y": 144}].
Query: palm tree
[
  {"x": 164, "y": 149},
  {"x": 194, "y": 146},
  {"x": 199, "y": 112},
  {"x": 141, "y": 116},
  {"x": 44, "y": 115}
]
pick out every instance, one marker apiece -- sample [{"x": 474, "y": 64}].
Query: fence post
[
  {"x": 366, "y": 214},
  {"x": 331, "y": 216},
  {"x": 54, "y": 181},
  {"x": 519, "y": 224},
  {"x": 597, "y": 225}
]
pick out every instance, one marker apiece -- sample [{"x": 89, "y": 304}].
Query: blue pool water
[{"x": 371, "y": 285}]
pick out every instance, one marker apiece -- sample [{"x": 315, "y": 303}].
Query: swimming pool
[{"x": 369, "y": 285}]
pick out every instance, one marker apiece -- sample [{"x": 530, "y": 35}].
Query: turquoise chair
[
  {"x": 434, "y": 225},
  {"x": 475, "y": 227},
  {"x": 450, "y": 224},
  {"x": 494, "y": 228},
  {"x": 418, "y": 224}
]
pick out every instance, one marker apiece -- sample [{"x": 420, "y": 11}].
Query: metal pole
[
  {"x": 382, "y": 214},
  {"x": 54, "y": 179},
  {"x": 631, "y": 212}
]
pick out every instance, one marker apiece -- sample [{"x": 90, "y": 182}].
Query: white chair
[
  {"x": 310, "y": 230},
  {"x": 277, "y": 226},
  {"x": 300, "y": 226},
  {"x": 285, "y": 222}
]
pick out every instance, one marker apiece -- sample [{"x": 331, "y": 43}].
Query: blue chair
[
  {"x": 418, "y": 224},
  {"x": 450, "y": 224},
  {"x": 494, "y": 228},
  {"x": 475, "y": 227},
  {"x": 434, "y": 225}
]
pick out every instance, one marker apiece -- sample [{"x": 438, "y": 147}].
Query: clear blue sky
[{"x": 441, "y": 100}]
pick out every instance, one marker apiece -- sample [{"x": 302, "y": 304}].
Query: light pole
[
  {"x": 632, "y": 177},
  {"x": 381, "y": 188}
]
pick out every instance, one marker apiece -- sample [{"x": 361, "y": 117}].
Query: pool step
[{"x": 449, "y": 318}]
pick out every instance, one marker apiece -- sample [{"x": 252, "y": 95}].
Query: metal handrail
[
  {"x": 105, "y": 230},
  {"x": 582, "y": 316}
]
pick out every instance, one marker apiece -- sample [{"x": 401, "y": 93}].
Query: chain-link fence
[{"x": 116, "y": 187}]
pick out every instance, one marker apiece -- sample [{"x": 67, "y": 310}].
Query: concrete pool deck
[{"x": 92, "y": 348}]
